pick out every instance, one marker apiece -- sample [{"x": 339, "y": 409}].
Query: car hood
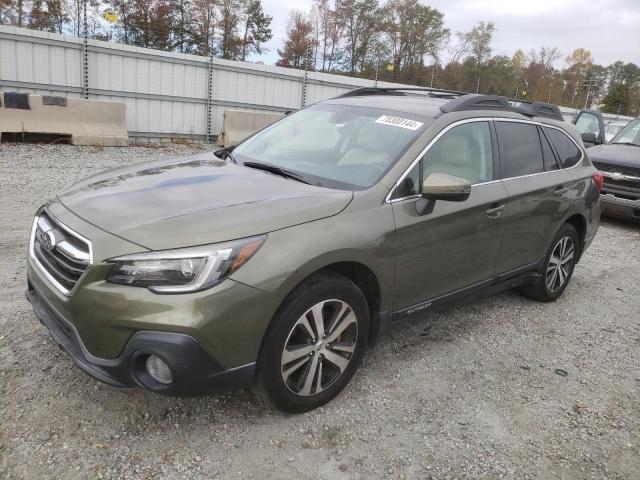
[
  {"x": 195, "y": 201},
  {"x": 627, "y": 155}
]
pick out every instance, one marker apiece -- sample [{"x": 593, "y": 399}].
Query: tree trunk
[
  {"x": 20, "y": 12},
  {"x": 333, "y": 47},
  {"x": 324, "y": 46},
  {"x": 244, "y": 40}
]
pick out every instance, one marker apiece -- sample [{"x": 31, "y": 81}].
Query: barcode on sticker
[{"x": 399, "y": 122}]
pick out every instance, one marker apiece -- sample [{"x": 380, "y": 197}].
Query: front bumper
[
  {"x": 194, "y": 370},
  {"x": 620, "y": 207}
]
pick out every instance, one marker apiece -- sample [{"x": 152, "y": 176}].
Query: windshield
[
  {"x": 629, "y": 134},
  {"x": 611, "y": 129},
  {"x": 336, "y": 146}
]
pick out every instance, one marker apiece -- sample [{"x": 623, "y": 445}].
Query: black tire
[
  {"x": 271, "y": 368},
  {"x": 541, "y": 289}
]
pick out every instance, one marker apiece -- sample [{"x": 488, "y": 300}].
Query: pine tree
[
  {"x": 257, "y": 29},
  {"x": 49, "y": 15},
  {"x": 184, "y": 26},
  {"x": 204, "y": 26},
  {"x": 230, "y": 13}
]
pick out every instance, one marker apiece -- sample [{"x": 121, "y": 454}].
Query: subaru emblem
[{"x": 49, "y": 240}]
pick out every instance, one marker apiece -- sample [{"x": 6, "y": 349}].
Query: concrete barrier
[
  {"x": 239, "y": 124},
  {"x": 86, "y": 122}
]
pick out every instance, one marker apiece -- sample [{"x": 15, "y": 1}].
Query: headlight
[{"x": 184, "y": 270}]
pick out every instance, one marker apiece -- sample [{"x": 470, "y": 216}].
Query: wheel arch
[
  {"x": 369, "y": 276},
  {"x": 363, "y": 277},
  {"x": 579, "y": 222}
]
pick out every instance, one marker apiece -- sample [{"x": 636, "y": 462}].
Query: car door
[
  {"x": 539, "y": 193},
  {"x": 455, "y": 244},
  {"x": 590, "y": 122}
]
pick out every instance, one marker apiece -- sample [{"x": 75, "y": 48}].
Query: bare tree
[
  {"x": 481, "y": 36},
  {"x": 476, "y": 43},
  {"x": 462, "y": 46},
  {"x": 329, "y": 27},
  {"x": 545, "y": 56}
]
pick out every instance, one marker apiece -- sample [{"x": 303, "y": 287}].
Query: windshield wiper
[
  {"x": 226, "y": 153},
  {"x": 277, "y": 170},
  {"x": 627, "y": 143}
]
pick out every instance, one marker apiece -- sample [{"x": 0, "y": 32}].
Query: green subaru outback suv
[{"x": 276, "y": 263}]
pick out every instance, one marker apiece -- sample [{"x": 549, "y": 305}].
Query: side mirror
[
  {"x": 589, "y": 138},
  {"x": 441, "y": 186}
]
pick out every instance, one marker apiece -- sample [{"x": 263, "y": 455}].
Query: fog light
[{"x": 159, "y": 370}]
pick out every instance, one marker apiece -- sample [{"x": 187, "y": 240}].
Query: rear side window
[
  {"x": 550, "y": 162},
  {"x": 567, "y": 151},
  {"x": 520, "y": 149}
]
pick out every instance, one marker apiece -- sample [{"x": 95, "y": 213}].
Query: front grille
[
  {"x": 620, "y": 194},
  {"x": 620, "y": 180},
  {"x": 60, "y": 254},
  {"x": 623, "y": 169},
  {"x": 629, "y": 185}
]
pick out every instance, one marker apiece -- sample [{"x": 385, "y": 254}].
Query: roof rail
[
  {"x": 460, "y": 101},
  {"x": 539, "y": 109},
  {"x": 476, "y": 101},
  {"x": 496, "y": 102},
  {"x": 432, "y": 92}
]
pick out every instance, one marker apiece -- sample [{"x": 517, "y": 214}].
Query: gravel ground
[{"x": 471, "y": 392}]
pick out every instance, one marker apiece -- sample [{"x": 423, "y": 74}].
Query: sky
[{"x": 609, "y": 29}]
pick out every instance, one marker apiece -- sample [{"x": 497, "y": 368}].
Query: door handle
[
  {"x": 560, "y": 191},
  {"x": 495, "y": 210}
]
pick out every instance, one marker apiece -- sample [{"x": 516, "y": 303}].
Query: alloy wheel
[
  {"x": 319, "y": 347},
  {"x": 560, "y": 263}
]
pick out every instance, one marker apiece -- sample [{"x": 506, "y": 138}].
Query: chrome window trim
[
  {"x": 388, "y": 198},
  {"x": 61, "y": 288}
]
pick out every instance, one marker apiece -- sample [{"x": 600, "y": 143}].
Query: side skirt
[{"x": 515, "y": 278}]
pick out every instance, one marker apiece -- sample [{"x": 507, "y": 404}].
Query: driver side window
[{"x": 465, "y": 151}]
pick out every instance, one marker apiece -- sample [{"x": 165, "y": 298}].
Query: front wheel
[
  {"x": 559, "y": 264},
  {"x": 314, "y": 344}
]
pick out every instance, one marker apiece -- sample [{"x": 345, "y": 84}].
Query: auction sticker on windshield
[{"x": 399, "y": 122}]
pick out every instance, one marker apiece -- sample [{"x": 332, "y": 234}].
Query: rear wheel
[
  {"x": 559, "y": 264},
  {"x": 314, "y": 344}
]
